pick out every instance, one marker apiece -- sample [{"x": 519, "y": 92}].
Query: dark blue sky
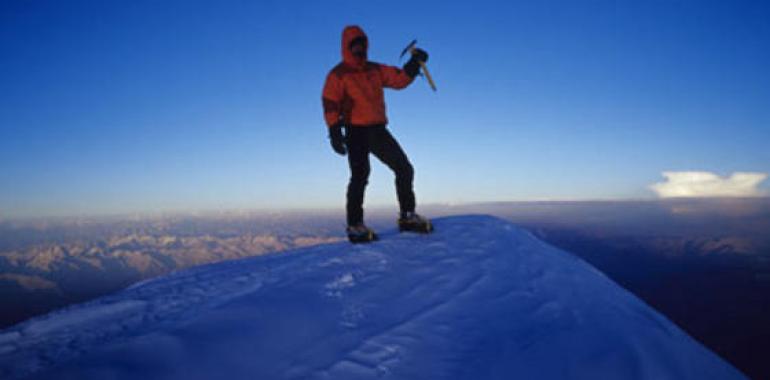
[{"x": 125, "y": 106}]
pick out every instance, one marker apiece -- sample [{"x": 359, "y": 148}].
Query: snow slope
[{"x": 478, "y": 299}]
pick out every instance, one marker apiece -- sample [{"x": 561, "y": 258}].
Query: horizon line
[{"x": 316, "y": 210}]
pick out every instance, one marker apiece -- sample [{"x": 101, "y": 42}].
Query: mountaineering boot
[
  {"x": 360, "y": 233},
  {"x": 411, "y": 221}
]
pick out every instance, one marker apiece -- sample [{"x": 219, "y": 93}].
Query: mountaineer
[{"x": 354, "y": 103}]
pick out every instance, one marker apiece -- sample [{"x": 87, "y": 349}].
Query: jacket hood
[{"x": 348, "y": 35}]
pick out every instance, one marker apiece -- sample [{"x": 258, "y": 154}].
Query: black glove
[
  {"x": 412, "y": 68},
  {"x": 337, "y": 139}
]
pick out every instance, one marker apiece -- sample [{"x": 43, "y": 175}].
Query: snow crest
[{"x": 477, "y": 299}]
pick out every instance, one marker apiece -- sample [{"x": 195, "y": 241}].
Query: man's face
[{"x": 358, "y": 47}]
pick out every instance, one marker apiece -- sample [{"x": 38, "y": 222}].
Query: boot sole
[
  {"x": 370, "y": 237},
  {"x": 422, "y": 228}
]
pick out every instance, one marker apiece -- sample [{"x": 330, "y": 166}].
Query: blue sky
[{"x": 137, "y": 106}]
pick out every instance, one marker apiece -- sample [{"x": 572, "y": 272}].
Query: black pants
[{"x": 377, "y": 140}]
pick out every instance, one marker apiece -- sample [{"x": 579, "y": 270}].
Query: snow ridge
[{"x": 478, "y": 299}]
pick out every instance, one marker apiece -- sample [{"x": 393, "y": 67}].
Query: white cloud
[{"x": 707, "y": 184}]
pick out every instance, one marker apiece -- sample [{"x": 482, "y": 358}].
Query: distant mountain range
[
  {"x": 37, "y": 267},
  {"x": 78, "y": 261}
]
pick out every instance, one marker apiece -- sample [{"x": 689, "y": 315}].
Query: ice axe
[{"x": 410, "y": 48}]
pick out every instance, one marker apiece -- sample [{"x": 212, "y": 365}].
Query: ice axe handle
[
  {"x": 427, "y": 75},
  {"x": 424, "y": 69}
]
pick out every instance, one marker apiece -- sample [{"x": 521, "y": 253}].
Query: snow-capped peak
[{"x": 477, "y": 299}]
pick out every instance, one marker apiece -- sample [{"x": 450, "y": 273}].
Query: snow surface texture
[{"x": 478, "y": 299}]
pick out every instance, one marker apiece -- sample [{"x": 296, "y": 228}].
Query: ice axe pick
[{"x": 410, "y": 48}]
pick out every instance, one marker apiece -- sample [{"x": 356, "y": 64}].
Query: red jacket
[{"x": 353, "y": 91}]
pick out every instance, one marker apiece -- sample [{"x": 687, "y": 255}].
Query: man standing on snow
[{"x": 353, "y": 100}]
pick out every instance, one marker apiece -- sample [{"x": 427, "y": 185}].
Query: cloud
[{"x": 707, "y": 184}]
